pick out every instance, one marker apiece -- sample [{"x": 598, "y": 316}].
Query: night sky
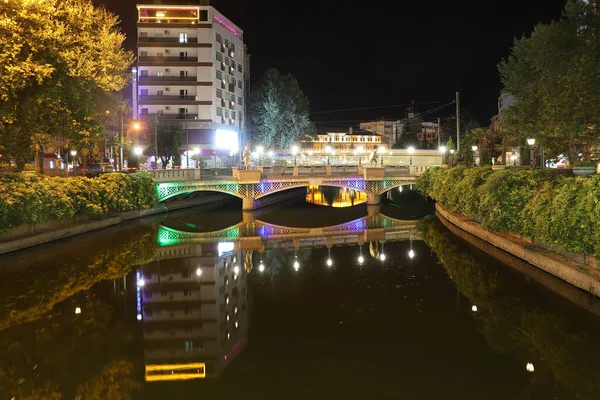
[{"x": 381, "y": 53}]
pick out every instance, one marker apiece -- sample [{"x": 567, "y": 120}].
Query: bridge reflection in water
[{"x": 193, "y": 298}]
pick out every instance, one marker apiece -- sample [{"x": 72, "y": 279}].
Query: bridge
[
  {"x": 251, "y": 185},
  {"x": 255, "y": 235}
]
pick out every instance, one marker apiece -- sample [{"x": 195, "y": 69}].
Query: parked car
[
  {"x": 93, "y": 170},
  {"x": 108, "y": 168}
]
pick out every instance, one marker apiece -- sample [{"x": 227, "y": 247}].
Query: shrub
[
  {"x": 26, "y": 199},
  {"x": 584, "y": 164},
  {"x": 552, "y": 207}
]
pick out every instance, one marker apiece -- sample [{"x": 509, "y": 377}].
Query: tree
[
  {"x": 279, "y": 111},
  {"x": 553, "y": 76},
  {"x": 58, "y": 60},
  {"x": 169, "y": 139}
]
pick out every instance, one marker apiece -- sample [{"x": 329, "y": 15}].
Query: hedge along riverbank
[
  {"x": 552, "y": 208},
  {"x": 29, "y": 199}
]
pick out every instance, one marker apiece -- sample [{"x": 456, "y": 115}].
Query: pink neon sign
[{"x": 226, "y": 25}]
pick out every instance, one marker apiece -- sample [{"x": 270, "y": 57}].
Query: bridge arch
[{"x": 168, "y": 190}]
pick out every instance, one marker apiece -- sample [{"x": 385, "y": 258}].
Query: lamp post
[
  {"x": 138, "y": 152},
  {"x": 443, "y": 153},
  {"x": 411, "y": 151},
  {"x": 196, "y": 153},
  {"x": 259, "y": 150},
  {"x": 74, "y": 153},
  {"x": 328, "y": 150},
  {"x": 294, "y": 152},
  {"x": 359, "y": 149},
  {"x": 531, "y": 143},
  {"x": 474, "y": 148}
]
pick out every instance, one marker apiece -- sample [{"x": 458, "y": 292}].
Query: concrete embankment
[
  {"x": 562, "y": 266},
  {"x": 30, "y": 235}
]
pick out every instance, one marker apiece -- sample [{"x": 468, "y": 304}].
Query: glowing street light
[
  {"x": 329, "y": 262},
  {"x": 294, "y": 152},
  {"x": 77, "y": 310},
  {"x": 474, "y": 148},
  {"x": 474, "y": 308},
  {"x": 531, "y": 143},
  {"x": 141, "y": 282},
  {"x": 529, "y": 367},
  {"x": 411, "y": 151},
  {"x": 411, "y": 254},
  {"x": 73, "y": 153},
  {"x": 236, "y": 270},
  {"x": 261, "y": 267},
  {"x": 451, "y": 158},
  {"x": 198, "y": 272},
  {"x": 296, "y": 265}
]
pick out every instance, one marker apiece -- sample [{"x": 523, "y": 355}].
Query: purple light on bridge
[
  {"x": 263, "y": 187},
  {"x": 265, "y": 231},
  {"x": 356, "y": 225}
]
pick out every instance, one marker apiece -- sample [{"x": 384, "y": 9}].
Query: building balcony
[
  {"x": 167, "y": 79},
  {"x": 167, "y": 59},
  {"x": 166, "y": 40},
  {"x": 169, "y": 98}
]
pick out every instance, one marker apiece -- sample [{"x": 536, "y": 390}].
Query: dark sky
[{"x": 379, "y": 53}]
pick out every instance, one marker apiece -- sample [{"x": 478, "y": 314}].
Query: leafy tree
[
  {"x": 59, "y": 59},
  {"x": 169, "y": 139},
  {"x": 279, "y": 111},
  {"x": 554, "y": 79}
]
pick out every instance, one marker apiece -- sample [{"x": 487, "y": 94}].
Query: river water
[{"x": 294, "y": 301}]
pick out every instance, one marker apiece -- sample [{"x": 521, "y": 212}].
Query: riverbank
[
  {"x": 582, "y": 276},
  {"x": 30, "y": 235}
]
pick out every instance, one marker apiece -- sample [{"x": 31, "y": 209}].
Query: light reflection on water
[{"x": 297, "y": 306}]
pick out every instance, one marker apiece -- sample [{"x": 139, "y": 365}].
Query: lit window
[{"x": 183, "y": 37}]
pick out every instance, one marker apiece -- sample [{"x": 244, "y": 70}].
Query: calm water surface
[{"x": 297, "y": 301}]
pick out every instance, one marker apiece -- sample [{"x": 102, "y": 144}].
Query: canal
[{"x": 321, "y": 297}]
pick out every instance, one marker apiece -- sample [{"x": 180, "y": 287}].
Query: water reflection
[
  {"x": 334, "y": 196},
  {"x": 184, "y": 298}
]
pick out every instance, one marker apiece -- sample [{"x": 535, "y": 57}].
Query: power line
[
  {"x": 376, "y": 107},
  {"x": 427, "y": 112}
]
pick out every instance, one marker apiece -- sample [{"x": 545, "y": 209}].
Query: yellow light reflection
[{"x": 175, "y": 372}]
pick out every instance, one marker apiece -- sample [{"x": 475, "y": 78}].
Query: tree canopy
[
  {"x": 279, "y": 111},
  {"x": 553, "y": 76},
  {"x": 60, "y": 62}
]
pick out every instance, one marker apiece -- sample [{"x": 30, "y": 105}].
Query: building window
[
  {"x": 219, "y": 57},
  {"x": 240, "y": 68},
  {"x": 232, "y": 64},
  {"x": 240, "y": 101},
  {"x": 204, "y": 16},
  {"x": 159, "y": 92},
  {"x": 187, "y": 291},
  {"x": 233, "y": 115},
  {"x": 227, "y": 96},
  {"x": 219, "y": 38},
  {"x": 226, "y": 43},
  {"x": 143, "y": 34},
  {"x": 232, "y": 47},
  {"x": 231, "y": 80},
  {"x": 219, "y": 112},
  {"x": 219, "y": 75},
  {"x": 219, "y": 93},
  {"x": 160, "y": 73},
  {"x": 183, "y": 37},
  {"x": 144, "y": 92},
  {"x": 187, "y": 310},
  {"x": 227, "y": 61},
  {"x": 144, "y": 72},
  {"x": 226, "y": 113},
  {"x": 144, "y": 111},
  {"x": 232, "y": 98},
  {"x": 241, "y": 117},
  {"x": 189, "y": 346}
]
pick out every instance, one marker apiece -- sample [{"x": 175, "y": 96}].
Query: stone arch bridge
[{"x": 252, "y": 185}]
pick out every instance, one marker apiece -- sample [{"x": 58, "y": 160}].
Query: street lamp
[
  {"x": 411, "y": 151},
  {"x": 294, "y": 152},
  {"x": 531, "y": 143},
  {"x": 443, "y": 152},
  {"x": 138, "y": 152},
  {"x": 259, "y": 150},
  {"x": 328, "y": 151},
  {"x": 359, "y": 149},
  {"x": 474, "y": 148},
  {"x": 74, "y": 153},
  {"x": 451, "y": 158}
]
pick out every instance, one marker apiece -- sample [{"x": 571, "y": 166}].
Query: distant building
[
  {"x": 505, "y": 100},
  {"x": 386, "y": 129},
  {"x": 346, "y": 142},
  {"x": 428, "y": 135}
]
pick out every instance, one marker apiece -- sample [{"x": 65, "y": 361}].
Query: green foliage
[
  {"x": 554, "y": 208},
  {"x": 279, "y": 111},
  {"x": 27, "y": 199},
  {"x": 554, "y": 83},
  {"x": 585, "y": 164}
]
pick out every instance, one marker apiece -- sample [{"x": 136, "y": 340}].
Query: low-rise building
[{"x": 345, "y": 142}]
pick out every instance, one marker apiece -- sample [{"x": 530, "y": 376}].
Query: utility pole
[
  {"x": 439, "y": 137},
  {"x": 187, "y": 144},
  {"x": 156, "y": 141},
  {"x": 457, "y": 121},
  {"x": 121, "y": 143}
]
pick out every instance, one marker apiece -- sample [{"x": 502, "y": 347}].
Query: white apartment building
[{"x": 192, "y": 67}]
